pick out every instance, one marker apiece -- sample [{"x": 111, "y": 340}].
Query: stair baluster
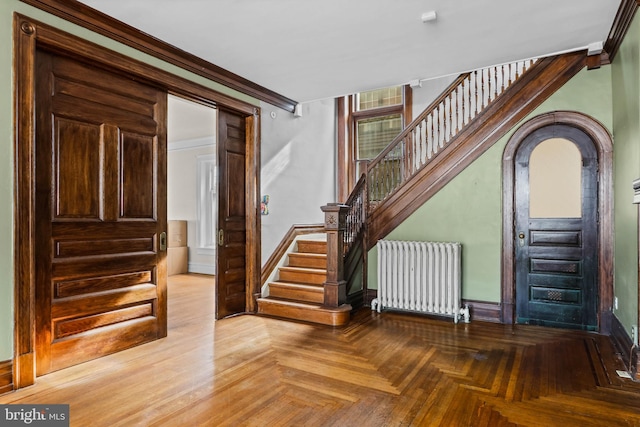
[{"x": 443, "y": 120}]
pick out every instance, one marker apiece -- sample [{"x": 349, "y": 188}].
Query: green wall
[
  {"x": 626, "y": 112},
  {"x": 6, "y": 185},
  {"x": 469, "y": 209},
  {"x": 7, "y": 8}
]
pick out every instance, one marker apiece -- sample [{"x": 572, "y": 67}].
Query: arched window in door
[{"x": 555, "y": 186}]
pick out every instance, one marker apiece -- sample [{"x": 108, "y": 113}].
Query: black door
[{"x": 556, "y": 257}]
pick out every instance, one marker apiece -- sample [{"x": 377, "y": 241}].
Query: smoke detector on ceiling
[{"x": 429, "y": 16}]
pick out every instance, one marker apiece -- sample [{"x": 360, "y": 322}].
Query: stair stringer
[{"x": 521, "y": 98}]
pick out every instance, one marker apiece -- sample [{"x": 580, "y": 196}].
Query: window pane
[
  {"x": 374, "y": 134},
  {"x": 555, "y": 180},
  {"x": 379, "y": 98},
  {"x": 206, "y": 202}
]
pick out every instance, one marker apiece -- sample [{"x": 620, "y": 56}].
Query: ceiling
[{"x": 314, "y": 49}]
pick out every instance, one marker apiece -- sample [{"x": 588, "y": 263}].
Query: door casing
[
  {"x": 604, "y": 146},
  {"x": 30, "y": 34}
]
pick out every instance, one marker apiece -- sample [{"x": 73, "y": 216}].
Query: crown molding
[
  {"x": 619, "y": 28},
  {"x": 98, "y": 22}
]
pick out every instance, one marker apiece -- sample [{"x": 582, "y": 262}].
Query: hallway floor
[{"x": 381, "y": 370}]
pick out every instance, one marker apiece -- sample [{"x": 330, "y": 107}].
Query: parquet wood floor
[{"x": 380, "y": 370}]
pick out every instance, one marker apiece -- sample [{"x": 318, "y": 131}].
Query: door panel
[
  {"x": 556, "y": 258},
  {"x": 232, "y": 252},
  {"x": 137, "y": 164},
  {"x": 100, "y": 208},
  {"x": 75, "y": 156}
]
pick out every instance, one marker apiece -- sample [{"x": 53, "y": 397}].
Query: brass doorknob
[{"x": 521, "y": 235}]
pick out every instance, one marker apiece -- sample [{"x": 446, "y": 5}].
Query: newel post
[{"x": 335, "y": 288}]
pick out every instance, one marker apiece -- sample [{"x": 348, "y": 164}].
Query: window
[
  {"x": 367, "y": 123},
  {"x": 555, "y": 180},
  {"x": 206, "y": 200}
]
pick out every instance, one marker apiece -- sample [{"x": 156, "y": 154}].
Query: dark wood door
[
  {"x": 232, "y": 189},
  {"x": 556, "y": 258},
  {"x": 100, "y": 212}
]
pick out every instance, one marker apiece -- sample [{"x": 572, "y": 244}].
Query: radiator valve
[{"x": 465, "y": 314}]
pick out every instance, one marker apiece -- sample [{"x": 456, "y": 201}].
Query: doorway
[
  {"x": 142, "y": 162},
  {"x": 556, "y": 225},
  {"x": 191, "y": 186},
  {"x": 191, "y": 195},
  {"x": 558, "y": 256}
]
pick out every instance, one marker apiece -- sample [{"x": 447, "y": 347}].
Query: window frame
[
  {"x": 348, "y": 117},
  {"x": 206, "y": 204}
]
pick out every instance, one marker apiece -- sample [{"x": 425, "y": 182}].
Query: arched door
[{"x": 556, "y": 228}]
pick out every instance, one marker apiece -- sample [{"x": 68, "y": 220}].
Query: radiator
[{"x": 422, "y": 277}]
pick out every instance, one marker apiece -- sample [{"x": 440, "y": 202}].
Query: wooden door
[
  {"x": 100, "y": 212},
  {"x": 232, "y": 191},
  {"x": 556, "y": 255}
]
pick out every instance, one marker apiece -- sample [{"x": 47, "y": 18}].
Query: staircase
[
  {"x": 465, "y": 121},
  {"x": 299, "y": 293},
  {"x": 472, "y": 114}
]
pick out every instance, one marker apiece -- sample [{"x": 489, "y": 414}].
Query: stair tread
[{"x": 308, "y": 255}]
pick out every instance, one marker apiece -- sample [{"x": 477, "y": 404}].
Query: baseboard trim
[
  {"x": 356, "y": 300},
  {"x": 370, "y": 295},
  {"x": 622, "y": 341},
  {"x": 482, "y": 311},
  {"x": 6, "y": 376},
  {"x": 202, "y": 268}
]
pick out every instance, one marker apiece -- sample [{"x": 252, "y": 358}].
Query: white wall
[
  {"x": 298, "y": 156},
  {"x": 182, "y": 165},
  {"x": 299, "y": 161}
]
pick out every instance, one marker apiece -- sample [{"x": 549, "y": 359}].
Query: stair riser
[
  {"x": 303, "y": 277},
  {"x": 279, "y": 291},
  {"x": 296, "y": 260},
  {"x": 312, "y": 247}
]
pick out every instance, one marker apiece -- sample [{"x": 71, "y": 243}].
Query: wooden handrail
[
  {"x": 419, "y": 119},
  {"x": 526, "y": 93},
  {"x": 463, "y": 100},
  {"x": 430, "y": 132}
]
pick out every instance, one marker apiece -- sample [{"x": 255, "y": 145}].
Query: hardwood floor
[{"x": 380, "y": 370}]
